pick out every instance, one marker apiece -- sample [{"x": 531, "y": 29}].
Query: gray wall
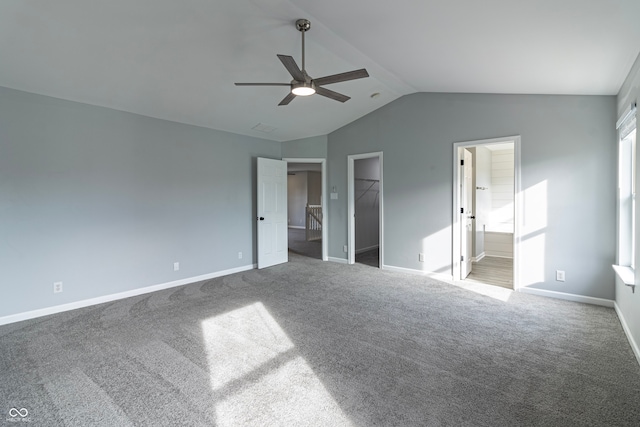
[
  {"x": 629, "y": 303},
  {"x": 313, "y": 147},
  {"x": 568, "y": 147},
  {"x": 106, "y": 201}
]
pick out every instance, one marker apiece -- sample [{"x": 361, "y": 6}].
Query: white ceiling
[{"x": 178, "y": 60}]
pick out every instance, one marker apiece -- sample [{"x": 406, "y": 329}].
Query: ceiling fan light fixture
[
  {"x": 303, "y": 89},
  {"x": 302, "y": 84}
]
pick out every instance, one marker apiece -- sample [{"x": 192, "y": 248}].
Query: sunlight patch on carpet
[
  {"x": 495, "y": 292},
  {"x": 258, "y": 376}
]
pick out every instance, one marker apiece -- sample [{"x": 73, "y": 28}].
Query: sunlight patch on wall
[
  {"x": 535, "y": 208},
  {"x": 533, "y": 266},
  {"x": 257, "y": 375},
  {"x": 533, "y": 242},
  {"x": 437, "y": 252}
]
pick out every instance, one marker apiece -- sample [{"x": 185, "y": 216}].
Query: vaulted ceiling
[{"x": 178, "y": 60}]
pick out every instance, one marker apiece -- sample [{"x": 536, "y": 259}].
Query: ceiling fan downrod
[{"x": 303, "y": 25}]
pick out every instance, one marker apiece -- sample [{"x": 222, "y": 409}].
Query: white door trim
[
  {"x": 466, "y": 249},
  {"x": 351, "y": 207},
  {"x": 325, "y": 210},
  {"x": 517, "y": 232}
]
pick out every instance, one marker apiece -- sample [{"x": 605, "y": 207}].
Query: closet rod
[{"x": 367, "y": 190}]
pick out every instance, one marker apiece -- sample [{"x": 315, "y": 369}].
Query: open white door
[
  {"x": 272, "y": 212},
  {"x": 466, "y": 215}
]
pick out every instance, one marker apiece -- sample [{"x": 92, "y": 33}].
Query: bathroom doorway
[{"x": 485, "y": 189}]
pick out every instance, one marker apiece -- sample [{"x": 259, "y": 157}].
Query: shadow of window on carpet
[{"x": 258, "y": 377}]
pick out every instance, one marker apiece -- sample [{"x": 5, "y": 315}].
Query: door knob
[
  {"x": 261, "y": 218},
  {"x": 472, "y": 217}
]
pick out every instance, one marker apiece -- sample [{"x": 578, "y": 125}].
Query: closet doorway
[{"x": 365, "y": 204}]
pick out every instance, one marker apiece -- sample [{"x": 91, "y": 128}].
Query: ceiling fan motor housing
[{"x": 303, "y": 25}]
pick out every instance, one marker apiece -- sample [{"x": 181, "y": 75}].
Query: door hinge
[
  {"x": 461, "y": 210},
  {"x": 461, "y": 162},
  {"x": 461, "y": 258}
]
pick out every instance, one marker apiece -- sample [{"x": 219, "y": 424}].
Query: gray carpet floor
[
  {"x": 321, "y": 344},
  {"x": 298, "y": 244}
]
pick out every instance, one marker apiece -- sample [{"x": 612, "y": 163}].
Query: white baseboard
[
  {"x": 627, "y": 331},
  {"x": 569, "y": 297},
  {"x": 500, "y": 256},
  {"x": 437, "y": 276},
  {"x": 478, "y": 258},
  {"x": 338, "y": 260},
  {"x": 298, "y": 227},
  {"x": 359, "y": 251},
  {"x": 121, "y": 295}
]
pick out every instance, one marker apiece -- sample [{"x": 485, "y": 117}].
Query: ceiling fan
[{"x": 302, "y": 84}]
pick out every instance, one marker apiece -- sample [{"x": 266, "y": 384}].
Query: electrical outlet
[
  {"x": 421, "y": 257},
  {"x": 239, "y": 255},
  {"x": 345, "y": 249},
  {"x": 176, "y": 266},
  {"x": 560, "y": 275},
  {"x": 57, "y": 287}
]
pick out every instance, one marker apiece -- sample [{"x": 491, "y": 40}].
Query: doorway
[
  {"x": 306, "y": 207},
  {"x": 486, "y": 208},
  {"x": 365, "y": 209}
]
